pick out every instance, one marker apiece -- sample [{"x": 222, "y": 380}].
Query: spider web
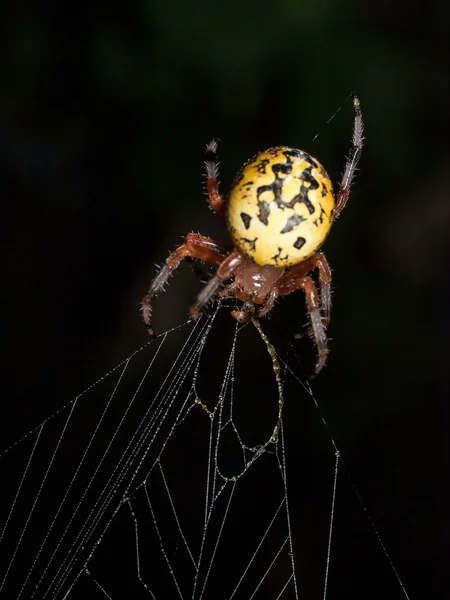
[{"x": 169, "y": 477}]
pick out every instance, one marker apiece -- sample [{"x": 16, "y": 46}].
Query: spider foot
[
  {"x": 195, "y": 312},
  {"x": 146, "y": 310},
  {"x": 319, "y": 335},
  {"x": 151, "y": 332},
  {"x": 321, "y": 360}
]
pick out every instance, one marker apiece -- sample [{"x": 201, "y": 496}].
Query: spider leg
[
  {"x": 352, "y": 160},
  {"x": 316, "y": 261},
  {"x": 197, "y": 269},
  {"x": 229, "y": 291},
  {"x": 289, "y": 284},
  {"x": 268, "y": 303},
  {"x": 196, "y": 246},
  {"x": 319, "y": 262},
  {"x": 225, "y": 271},
  {"x": 215, "y": 199}
]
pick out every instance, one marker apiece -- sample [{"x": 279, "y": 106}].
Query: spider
[{"x": 278, "y": 213}]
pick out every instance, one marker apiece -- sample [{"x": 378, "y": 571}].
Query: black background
[{"x": 104, "y": 114}]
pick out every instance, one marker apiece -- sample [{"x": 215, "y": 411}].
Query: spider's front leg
[
  {"x": 352, "y": 160},
  {"x": 196, "y": 246}
]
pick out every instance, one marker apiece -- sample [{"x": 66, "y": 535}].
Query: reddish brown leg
[
  {"x": 268, "y": 303},
  {"x": 352, "y": 160},
  {"x": 195, "y": 245},
  {"x": 215, "y": 199},
  {"x": 319, "y": 334},
  {"x": 319, "y": 262},
  {"x": 225, "y": 271}
]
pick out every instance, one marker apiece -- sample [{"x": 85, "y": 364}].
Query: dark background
[{"x": 104, "y": 114}]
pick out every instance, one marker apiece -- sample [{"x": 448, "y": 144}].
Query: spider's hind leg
[
  {"x": 319, "y": 332},
  {"x": 319, "y": 261},
  {"x": 296, "y": 279}
]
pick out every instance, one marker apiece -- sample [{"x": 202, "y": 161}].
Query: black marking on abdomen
[
  {"x": 278, "y": 256},
  {"x": 246, "y": 219},
  {"x": 264, "y": 212},
  {"x": 292, "y": 222},
  {"x": 277, "y": 185},
  {"x": 299, "y": 243},
  {"x": 319, "y": 219},
  {"x": 307, "y": 183},
  {"x": 261, "y": 165},
  {"x": 300, "y": 154},
  {"x": 274, "y": 187},
  {"x": 251, "y": 243},
  {"x": 302, "y": 197},
  {"x": 285, "y": 168}
]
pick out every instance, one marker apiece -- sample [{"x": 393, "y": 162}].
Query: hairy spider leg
[
  {"x": 316, "y": 261},
  {"x": 225, "y": 271},
  {"x": 268, "y": 303},
  {"x": 295, "y": 280},
  {"x": 351, "y": 161},
  {"x": 195, "y": 245},
  {"x": 215, "y": 199}
]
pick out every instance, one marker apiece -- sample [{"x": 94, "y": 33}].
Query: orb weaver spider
[{"x": 278, "y": 214}]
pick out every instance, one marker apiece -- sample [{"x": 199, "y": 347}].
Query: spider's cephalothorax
[{"x": 278, "y": 213}]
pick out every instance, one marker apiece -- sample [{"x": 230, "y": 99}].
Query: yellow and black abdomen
[{"x": 280, "y": 207}]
